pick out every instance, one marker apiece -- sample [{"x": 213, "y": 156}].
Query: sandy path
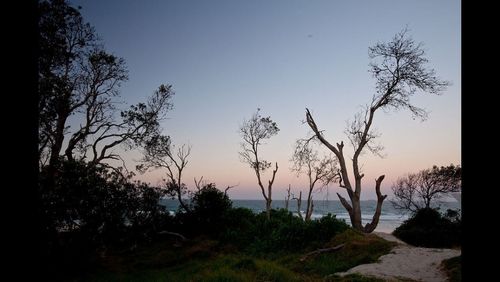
[{"x": 406, "y": 261}]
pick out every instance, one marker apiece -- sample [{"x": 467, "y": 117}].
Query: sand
[{"x": 406, "y": 261}]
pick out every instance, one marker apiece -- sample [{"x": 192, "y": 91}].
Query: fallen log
[
  {"x": 173, "y": 234},
  {"x": 320, "y": 251}
]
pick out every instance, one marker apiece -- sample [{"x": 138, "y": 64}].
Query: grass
[
  {"x": 359, "y": 249},
  {"x": 453, "y": 268},
  {"x": 206, "y": 260}
]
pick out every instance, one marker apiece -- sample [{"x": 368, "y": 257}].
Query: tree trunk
[
  {"x": 287, "y": 199},
  {"x": 380, "y": 199},
  {"x": 356, "y": 214},
  {"x": 299, "y": 204},
  {"x": 55, "y": 149},
  {"x": 354, "y": 208},
  {"x": 268, "y": 207},
  {"x": 309, "y": 208}
]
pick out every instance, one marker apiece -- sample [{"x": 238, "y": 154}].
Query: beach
[{"x": 407, "y": 262}]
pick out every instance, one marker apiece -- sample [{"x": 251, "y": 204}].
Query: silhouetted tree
[
  {"x": 287, "y": 199},
  {"x": 299, "y": 203},
  {"x": 209, "y": 205},
  {"x": 78, "y": 83},
  {"x": 421, "y": 190},
  {"x": 399, "y": 70},
  {"x": 160, "y": 153},
  {"x": 323, "y": 171},
  {"x": 98, "y": 202},
  {"x": 254, "y": 131}
]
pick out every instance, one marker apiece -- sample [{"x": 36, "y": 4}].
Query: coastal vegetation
[
  {"x": 108, "y": 226},
  {"x": 429, "y": 228},
  {"x": 100, "y": 224},
  {"x": 420, "y": 194}
]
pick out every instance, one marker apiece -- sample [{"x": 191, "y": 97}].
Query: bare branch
[
  {"x": 198, "y": 183},
  {"x": 158, "y": 154},
  {"x": 321, "y": 251},
  {"x": 369, "y": 227},
  {"x": 306, "y": 161},
  {"x": 229, "y": 187}
]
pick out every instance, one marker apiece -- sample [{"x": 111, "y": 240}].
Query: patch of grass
[
  {"x": 453, "y": 268},
  {"x": 207, "y": 260},
  {"x": 271, "y": 271},
  {"x": 359, "y": 249}
]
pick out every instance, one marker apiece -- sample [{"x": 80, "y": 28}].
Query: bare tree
[
  {"x": 323, "y": 171},
  {"x": 160, "y": 153},
  {"x": 254, "y": 131},
  {"x": 425, "y": 188},
  {"x": 287, "y": 199},
  {"x": 299, "y": 203},
  {"x": 399, "y": 70}
]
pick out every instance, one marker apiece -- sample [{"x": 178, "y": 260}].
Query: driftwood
[
  {"x": 173, "y": 234},
  {"x": 320, "y": 251}
]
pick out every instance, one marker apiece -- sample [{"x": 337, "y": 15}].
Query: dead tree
[
  {"x": 254, "y": 131},
  {"x": 323, "y": 171},
  {"x": 299, "y": 203},
  {"x": 287, "y": 199},
  {"x": 399, "y": 70},
  {"x": 160, "y": 153}
]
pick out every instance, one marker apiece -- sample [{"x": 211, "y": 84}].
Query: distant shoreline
[{"x": 390, "y": 218}]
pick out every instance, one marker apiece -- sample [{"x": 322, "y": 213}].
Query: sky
[{"x": 225, "y": 59}]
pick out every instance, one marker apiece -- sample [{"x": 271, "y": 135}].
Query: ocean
[{"x": 390, "y": 218}]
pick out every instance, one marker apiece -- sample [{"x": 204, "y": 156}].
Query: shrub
[
  {"x": 239, "y": 227},
  {"x": 102, "y": 204},
  {"x": 282, "y": 233},
  {"x": 209, "y": 206},
  {"x": 428, "y": 228},
  {"x": 87, "y": 208}
]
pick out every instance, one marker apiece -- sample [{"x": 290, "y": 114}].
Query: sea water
[{"x": 390, "y": 218}]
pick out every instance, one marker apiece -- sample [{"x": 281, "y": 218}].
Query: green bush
[
  {"x": 102, "y": 204},
  {"x": 87, "y": 208},
  {"x": 239, "y": 227},
  {"x": 428, "y": 228},
  {"x": 209, "y": 206},
  {"x": 283, "y": 232}
]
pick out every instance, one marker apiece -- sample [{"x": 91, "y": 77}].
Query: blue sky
[{"x": 226, "y": 58}]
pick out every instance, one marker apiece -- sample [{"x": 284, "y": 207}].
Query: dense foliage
[
  {"x": 429, "y": 228},
  {"x": 284, "y": 232},
  {"x": 212, "y": 215},
  {"x": 88, "y": 208},
  {"x": 209, "y": 206}
]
